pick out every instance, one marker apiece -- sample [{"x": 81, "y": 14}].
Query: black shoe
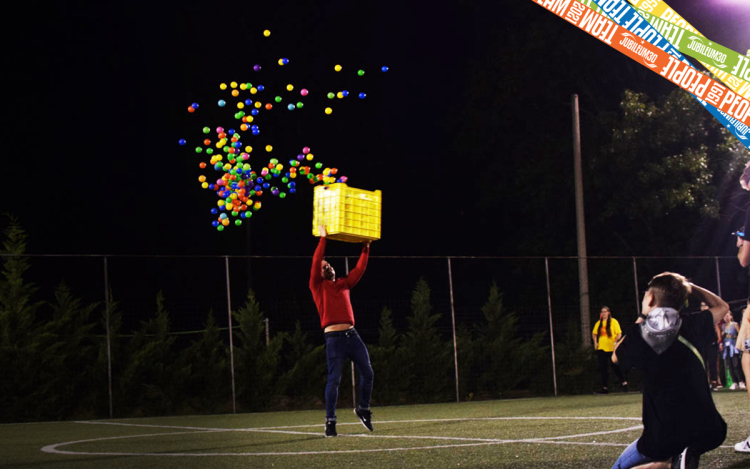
[
  {"x": 625, "y": 388},
  {"x": 331, "y": 428},
  {"x": 688, "y": 459},
  {"x": 602, "y": 391},
  {"x": 365, "y": 416}
]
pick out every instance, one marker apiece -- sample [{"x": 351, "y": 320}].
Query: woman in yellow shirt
[{"x": 606, "y": 332}]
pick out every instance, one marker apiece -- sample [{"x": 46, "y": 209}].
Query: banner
[
  {"x": 652, "y": 57},
  {"x": 627, "y": 18},
  {"x": 661, "y": 15}
]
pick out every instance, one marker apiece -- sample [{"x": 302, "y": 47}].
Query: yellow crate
[{"x": 349, "y": 214}]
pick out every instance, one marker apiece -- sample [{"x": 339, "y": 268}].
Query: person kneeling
[{"x": 680, "y": 420}]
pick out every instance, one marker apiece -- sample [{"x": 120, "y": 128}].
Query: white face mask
[{"x": 661, "y": 328}]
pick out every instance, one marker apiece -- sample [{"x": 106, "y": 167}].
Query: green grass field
[{"x": 565, "y": 432}]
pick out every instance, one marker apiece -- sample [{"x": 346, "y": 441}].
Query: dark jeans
[
  {"x": 605, "y": 361},
  {"x": 341, "y": 346}
]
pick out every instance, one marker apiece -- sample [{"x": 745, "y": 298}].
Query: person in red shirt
[{"x": 331, "y": 296}]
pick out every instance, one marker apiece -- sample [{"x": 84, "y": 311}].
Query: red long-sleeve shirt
[{"x": 332, "y": 296}]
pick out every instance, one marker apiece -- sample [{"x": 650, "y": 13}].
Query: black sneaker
[
  {"x": 365, "y": 416},
  {"x": 331, "y": 428},
  {"x": 688, "y": 459}
]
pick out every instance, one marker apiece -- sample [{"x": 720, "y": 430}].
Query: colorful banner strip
[
  {"x": 654, "y": 58},
  {"x": 661, "y": 15},
  {"x": 628, "y": 18}
]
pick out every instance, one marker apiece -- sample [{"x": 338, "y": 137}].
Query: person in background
[
  {"x": 732, "y": 355},
  {"x": 712, "y": 354},
  {"x": 606, "y": 332}
]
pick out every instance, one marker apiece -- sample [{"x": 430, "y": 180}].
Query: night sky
[{"x": 98, "y": 93}]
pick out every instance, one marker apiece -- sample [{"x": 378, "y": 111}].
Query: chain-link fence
[{"x": 142, "y": 335}]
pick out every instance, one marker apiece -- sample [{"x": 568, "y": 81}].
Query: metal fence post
[
  {"x": 109, "y": 339},
  {"x": 718, "y": 277},
  {"x": 551, "y": 330},
  {"x": 231, "y": 342},
  {"x": 637, "y": 296},
  {"x": 453, "y": 324}
]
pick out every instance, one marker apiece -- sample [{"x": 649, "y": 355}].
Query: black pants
[
  {"x": 712, "y": 362},
  {"x": 605, "y": 361},
  {"x": 735, "y": 368}
]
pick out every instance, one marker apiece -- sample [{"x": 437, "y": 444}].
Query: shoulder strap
[{"x": 691, "y": 347}]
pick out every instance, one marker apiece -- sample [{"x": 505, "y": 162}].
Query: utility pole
[{"x": 583, "y": 273}]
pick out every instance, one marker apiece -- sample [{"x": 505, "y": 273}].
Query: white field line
[{"x": 557, "y": 440}]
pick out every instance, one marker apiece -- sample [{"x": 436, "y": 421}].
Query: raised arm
[
  {"x": 316, "y": 276},
  {"x": 718, "y": 307},
  {"x": 355, "y": 274}
]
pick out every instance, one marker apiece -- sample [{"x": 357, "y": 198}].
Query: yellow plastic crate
[{"x": 349, "y": 214}]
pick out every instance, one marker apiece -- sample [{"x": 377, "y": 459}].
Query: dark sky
[{"x": 98, "y": 94}]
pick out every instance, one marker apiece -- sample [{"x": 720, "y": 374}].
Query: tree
[
  {"x": 426, "y": 356},
  {"x": 152, "y": 377},
  {"x": 257, "y": 363},
  {"x": 505, "y": 360},
  {"x": 209, "y": 384},
  {"x": 19, "y": 347},
  {"x": 386, "y": 361}
]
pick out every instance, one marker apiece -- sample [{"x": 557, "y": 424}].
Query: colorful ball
[
  {"x": 206, "y": 130},
  {"x": 383, "y": 68},
  {"x": 182, "y": 141},
  {"x": 329, "y": 110},
  {"x": 223, "y": 86},
  {"x": 290, "y": 107},
  {"x": 256, "y": 67},
  {"x": 266, "y": 33},
  {"x": 331, "y": 95},
  {"x": 191, "y": 109},
  {"x": 337, "y": 68},
  {"x": 289, "y": 87},
  {"x": 233, "y": 84},
  {"x": 360, "y": 72},
  {"x": 269, "y": 148},
  {"x": 304, "y": 92},
  {"x": 362, "y": 96},
  {"x": 222, "y": 103}
]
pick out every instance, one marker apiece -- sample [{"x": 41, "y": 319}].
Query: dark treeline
[{"x": 53, "y": 356}]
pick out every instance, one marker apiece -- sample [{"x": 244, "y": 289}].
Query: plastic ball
[
  {"x": 339, "y": 95},
  {"x": 182, "y": 141},
  {"x": 240, "y": 105},
  {"x": 222, "y": 103},
  {"x": 207, "y": 142},
  {"x": 198, "y": 150},
  {"x": 261, "y": 87},
  {"x": 269, "y": 106},
  {"x": 191, "y": 109},
  {"x": 383, "y": 68},
  {"x": 201, "y": 178},
  {"x": 248, "y": 102},
  {"x": 318, "y": 165},
  {"x": 330, "y": 95},
  {"x": 220, "y": 130},
  {"x": 283, "y": 61},
  {"x": 310, "y": 157},
  {"x": 206, "y": 130},
  {"x": 269, "y": 148},
  {"x": 253, "y": 90},
  {"x": 345, "y": 93},
  {"x": 233, "y": 84},
  {"x": 304, "y": 92},
  {"x": 223, "y": 86},
  {"x": 362, "y": 96},
  {"x": 292, "y": 191},
  {"x": 243, "y": 86},
  {"x": 277, "y": 99},
  {"x": 291, "y": 107},
  {"x": 266, "y": 33},
  {"x": 215, "y": 223},
  {"x": 360, "y": 72},
  {"x": 306, "y": 150},
  {"x": 266, "y": 185},
  {"x": 289, "y": 87},
  {"x": 249, "y": 149},
  {"x": 202, "y": 165},
  {"x": 329, "y": 110},
  {"x": 235, "y": 93},
  {"x": 337, "y": 68},
  {"x": 238, "y": 222}
]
